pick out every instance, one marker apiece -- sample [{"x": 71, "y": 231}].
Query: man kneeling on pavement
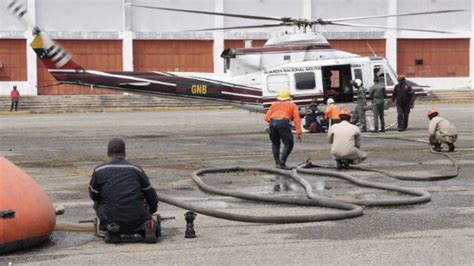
[
  {"x": 441, "y": 131},
  {"x": 345, "y": 140},
  {"x": 124, "y": 199}
]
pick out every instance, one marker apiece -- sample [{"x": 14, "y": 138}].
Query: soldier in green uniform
[
  {"x": 377, "y": 92},
  {"x": 359, "y": 115}
]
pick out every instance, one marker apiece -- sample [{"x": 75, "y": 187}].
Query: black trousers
[
  {"x": 14, "y": 104},
  {"x": 403, "y": 110},
  {"x": 280, "y": 131}
]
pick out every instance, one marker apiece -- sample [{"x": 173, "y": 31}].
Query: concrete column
[
  {"x": 31, "y": 67},
  {"x": 471, "y": 50},
  {"x": 127, "y": 38},
  {"x": 307, "y": 9},
  {"x": 391, "y": 36},
  {"x": 218, "y": 36}
]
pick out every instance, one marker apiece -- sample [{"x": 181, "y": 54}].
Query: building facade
[{"x": 111, "y": 35}]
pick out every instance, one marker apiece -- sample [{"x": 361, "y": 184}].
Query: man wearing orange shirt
[
  {"x": 15, "y": 96},
  {"x": 279, "y": 116},
  {"x": 332, "y": 112}
]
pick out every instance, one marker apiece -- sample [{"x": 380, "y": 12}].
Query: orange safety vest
[
  {"x": 285, "y": 109},
  {"x": 332, "y": 112}
]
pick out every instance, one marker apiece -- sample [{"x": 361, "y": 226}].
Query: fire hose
[{"x": 348, "y": 208}]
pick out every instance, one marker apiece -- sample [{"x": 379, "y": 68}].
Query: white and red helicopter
[{"x": 305, "y": 63}]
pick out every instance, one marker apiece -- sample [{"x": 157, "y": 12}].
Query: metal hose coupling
[{"x": 189, "y": 217}]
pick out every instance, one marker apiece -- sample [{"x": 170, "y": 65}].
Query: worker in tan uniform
[
  {"x": 279, "y": 116},
  {"x": 345, "y": 140},
  {"x": 441, "y": 131}
]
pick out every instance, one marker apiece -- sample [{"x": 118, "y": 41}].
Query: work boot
[
  {"x": 451, "y": 147},
  {"x": 277, "y": 164},
  {"x": 283, "y": 165},
  {"x": 112, "y": 235},
  {"x": 382, "y": 130},
  {"x": 339, "y": 164},
  {"x": 345, "y": 164},
  {"x": 150, "y": 235},
  {"x": 436, "y": 147}
]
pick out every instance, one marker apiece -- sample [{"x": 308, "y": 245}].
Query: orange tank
[{"x": 34, "y": 216}]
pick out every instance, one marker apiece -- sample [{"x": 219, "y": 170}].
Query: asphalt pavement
[{"x": 60, "y": 151}]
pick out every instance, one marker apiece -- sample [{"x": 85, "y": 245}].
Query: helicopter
[{"x": 304, "y": 62}]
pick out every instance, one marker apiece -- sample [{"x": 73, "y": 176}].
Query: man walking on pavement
[
  {"x": 377, "y": 92},
  {"x": 359, "y": 116},
  {"x": 124, "y": 199},
  {"x": 441, "y": 131},
  {"x": 403, "y": 97},
  {"x": 279, "y": 116},
  {"x": 15, "y": 97},
  {"x": 345, "y": 140}
]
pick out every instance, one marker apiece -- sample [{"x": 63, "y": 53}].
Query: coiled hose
[
  {"x": 347, "y": 208},
  {"x": 350, "y": 207}
]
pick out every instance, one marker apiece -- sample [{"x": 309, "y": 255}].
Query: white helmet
[
  {"x": 330, "y": 101},
  {"x": 358, "y": 83}
]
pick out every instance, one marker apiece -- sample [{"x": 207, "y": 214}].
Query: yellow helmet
[{"x": 283, "y": 95}]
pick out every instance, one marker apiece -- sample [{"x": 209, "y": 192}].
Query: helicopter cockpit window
[
  {"x": 379, "y": 71},
  {"x": 305, "y": 81},
  {"x": 358, "y": 74}
]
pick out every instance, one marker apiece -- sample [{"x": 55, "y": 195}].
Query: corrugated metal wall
[
  {"x": 173, "y": 55},
  {"x": 13, "y": 60},
  {"x": 433, "y": 57},
  {"x": 105, "y": 55}
]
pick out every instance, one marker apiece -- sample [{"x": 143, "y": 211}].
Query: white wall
[{"x": 436, "y": 83}]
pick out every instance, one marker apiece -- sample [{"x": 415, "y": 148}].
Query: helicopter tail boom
[{"x": 52, "y": 54}]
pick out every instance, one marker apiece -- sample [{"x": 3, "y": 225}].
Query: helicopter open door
[{"x": 336, "y": 83}]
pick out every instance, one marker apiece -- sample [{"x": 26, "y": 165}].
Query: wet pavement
[{"x": 60, "y": 151}]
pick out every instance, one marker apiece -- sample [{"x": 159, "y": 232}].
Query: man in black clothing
[
  {"x": 402, "y": 95},
  {"x": 314, "y": 118},
  {"x": 123, "y": 197}
]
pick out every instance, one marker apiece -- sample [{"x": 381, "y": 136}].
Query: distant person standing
[
  {"x": 279, "y": 116},
  {"x": 377, "y": 92},
  {"x": 359, "y": 116},
  {"x": 403, "y": 96},
  {"x": 15, "y": 97}
]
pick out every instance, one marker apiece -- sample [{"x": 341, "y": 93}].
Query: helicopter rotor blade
[
  {"x": 213, "y": 13},
  {"x": 397, "y": 15},
  {"x": 21, "y": 12},
  {"x": 245, "y": 27},
  {"x": 386, "y": 27}
]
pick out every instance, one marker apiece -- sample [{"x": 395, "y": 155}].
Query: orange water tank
[{"x": 27, "y": 216}]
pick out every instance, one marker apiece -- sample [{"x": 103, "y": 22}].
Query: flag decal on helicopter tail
[{"x": 52, "y": 55}]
